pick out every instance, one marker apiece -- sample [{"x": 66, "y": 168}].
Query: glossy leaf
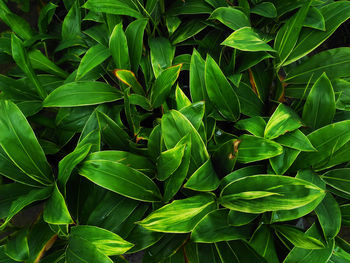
[
  {"x": 169, "y": 161},
  {"x": 310, "y": 255},
  {"x": 119, "y": 7},
  {"x": 180, "y": 216},
  {"x": 261, "y": 193},
  {"x": 105, "y": 241},
  {"x": 129, "y": 79},
  {"x": 162, "y": 54},
  {"x": 326, "y": 141},
  {"x": 329, "y": 216},
  {"x": 215, "y": 228},
  {"x": 162, "y": 85},
  {"x": 251, "y": 149},
  {"x": 335, "y": 14},
  {"x": 255, "y": 125},
  {"x": 236, "y": 218},
  {"x": 134, "y": 35},
  {"x": 231, "y": 17},
  {"x": 319, "y": 107},
  {"x": 204, "y": 179},
  {"x": 82, "y": 93},
  {"x": 263, "y": 243},
  {"x": 56, "y": 211},
  {"x": 119, "y": 48},
  {"x": 339, "y": 179},
  {"x": 298, "y": 238},
  {"x": 265, "y": 9},
  {"x": 281, "y": 163},
  {"x": 175, "y": 121},
  {"x": 92, "y": 58},
  {"x": 220, "y": 91},
  {"x": 282, "y": 120},
  {"x": 19, "y": 142},
  {"x": 103, "y": 173},
  {"x": 287, "y": 36},
  {"x": 197, "y": 79},
  {"x": 296, "y": 140},
  {"x": 246, "y": 39}
]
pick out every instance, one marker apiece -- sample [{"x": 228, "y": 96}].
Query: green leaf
[
  {"x": 261, "y": 193},
  {"x": 80, "y": 250},
  {"x": 82, "y": 93},
  {"x": 236, "y": 218},
  {"x": 189, "y": 7},
  {"x": 194, "y": 113},
  {"x": 118, "y": 46},
  {"x": 319, "y": 108},
  {"x": 225, "y": 156},
  {"x": 214, "y": 227},
  {"x": 197, "y": 79},
  {"x": 134, "y": 161},
  {"x": 134, "y": 35},
  {"x": 56, "y": 211},
  {"x": 174, "y": 127},
  {"x": 69, "y": 162},
  {"x": 9, "y": 169},
  {"x": 298, "y": 238},
  {"x": 296, "y": 140},
  {"x": 33, "y": 195},
  {"x": 263, "y": 243},
  {"x": 283, "y": 120},
  {"x": 246, "y": 39},
  {"x": 333, "y": 62},
  {"x": 329, "y": 216},
  {"x": 255, "y": 125},
  {"x": 220, "y": 91},
  {"x": 15, "y": 22},
  {"x": 237, "y": 251},
  {"x": 162, "y": 54},
  {"x": 162, "y": 85},
  {"x": 124, "y": 182},
  {"x": 45, "y": 16},
  {"x": 187, "y": 30},
  {"x": 231, "y": 17},
  {"x": 281, "y": 163},
  {"x": 21, "y": 58},
  {"x": 92, "y": 58},
  {"x": 287, "y": 36},
  {"x": 129, "y": 78},
  {"x": 251, "y": 149},
  {"x": 169, "y": 161},
  {"x": 39, "y": 61},
  {"x": 204, "y": 179},
  {"x": 176, "y": 179},
  {"x": 19, "y": 142},
  {"x": 180, "y": 216},
  {"x": 326, "y": 140},
  {"x": 339, "y": 179},
  {"x": 265, "y": 9},
  {"x": 118, "y": 7},
  {"x": 309, "y": 39},
  {"x": 71, "y": 26},
  {"x": 17, "y": 247},
  {"x": 182, "y": 101},
  {"x": 287, "y": 215},
  {"x": 311, "y": 255},
  {"x": 315, "y": 19},
  {"x": 105, "y": 241}
]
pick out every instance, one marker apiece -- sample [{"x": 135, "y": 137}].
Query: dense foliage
[{"x": 195, "y": 131}]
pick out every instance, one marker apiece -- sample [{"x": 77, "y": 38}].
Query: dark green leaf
[
  {"x": 162, "y": 54},
  {"x": 296, "y": 140},
  {"x": 82, "y": 93},
  {"x": 119, "y": 7},
  {"x": 124, "y": 182},
  {"x": 118, "y": 46},
  {"x": 231, "y": 17}
]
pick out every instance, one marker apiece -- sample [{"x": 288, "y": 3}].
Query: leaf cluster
[{"x": 194, "y": 131}]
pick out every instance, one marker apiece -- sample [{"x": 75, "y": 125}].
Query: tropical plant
[{"x": 194, "y": 131}]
